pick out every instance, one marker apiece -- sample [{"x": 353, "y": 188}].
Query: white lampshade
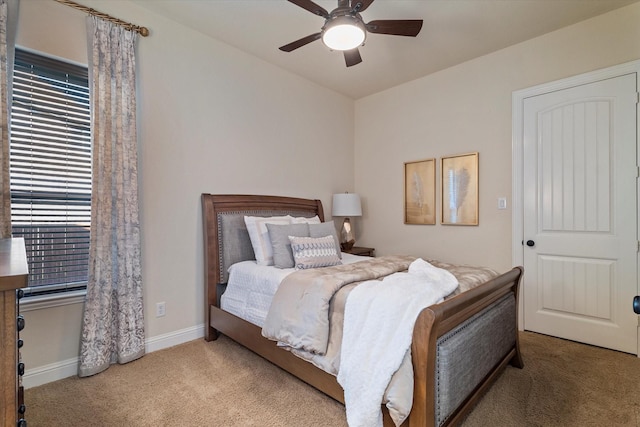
[
  {"x": 343, "y": 33},
  {"x": 346, "y": 204}
]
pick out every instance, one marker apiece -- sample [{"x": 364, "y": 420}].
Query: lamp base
[
  {"x": 346, "y": 246},
  {"x": 347, "y": 237}
]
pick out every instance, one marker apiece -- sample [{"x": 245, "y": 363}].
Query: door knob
[
  {"x": 636, "y": 304},
  {"x": 530, "y": 243}
]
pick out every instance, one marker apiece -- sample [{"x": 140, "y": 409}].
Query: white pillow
[
  {"x": 259, "y": 235},
  {"x": 305, "y": 220}
]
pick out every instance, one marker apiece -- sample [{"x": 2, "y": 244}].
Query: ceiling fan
[{"x": 345, "y": 30}]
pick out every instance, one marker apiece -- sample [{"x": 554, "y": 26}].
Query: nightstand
[{"x": 357, "y": 250}]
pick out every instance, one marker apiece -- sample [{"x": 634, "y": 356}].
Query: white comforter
[{"x": 377, "y": 336}]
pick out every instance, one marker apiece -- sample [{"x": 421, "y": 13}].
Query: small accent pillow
[
  {"x": 304, "y": 220},
  {"x": 310, "y": 252},
  {"x": 279, "y": 235},
  {"x": 325, "y": 229},
  {"x": 257, "y": 228}
]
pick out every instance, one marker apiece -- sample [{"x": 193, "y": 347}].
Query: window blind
[{"x": 50, "y": 169}]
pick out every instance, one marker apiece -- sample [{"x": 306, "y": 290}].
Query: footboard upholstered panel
[{"x": 468, "y": 353}]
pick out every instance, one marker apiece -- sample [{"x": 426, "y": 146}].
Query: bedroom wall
[
  {"x": 207, "y": 110},
  {"x": 464, "y": 109},
  {"x": 211, "y": 119}
]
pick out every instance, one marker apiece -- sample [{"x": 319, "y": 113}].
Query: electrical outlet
[{"x": 160, "y": 309}]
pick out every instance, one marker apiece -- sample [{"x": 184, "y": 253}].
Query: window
[{"x": 50, "y": 168}]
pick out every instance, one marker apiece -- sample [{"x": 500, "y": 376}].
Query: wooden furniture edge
[
  {"x": 361, "y": 250},
  {"x": 250, "y": 336},
  {"x": 13, "y": 275},
  {"x": 13, "y": 264},
  {"x": 435, "y": 321},
  {"x": 8, "y": 358}
]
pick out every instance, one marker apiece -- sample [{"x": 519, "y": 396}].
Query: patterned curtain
[
  {"x": 8, "y": 26},
  {"x": 113, "y": 326}
]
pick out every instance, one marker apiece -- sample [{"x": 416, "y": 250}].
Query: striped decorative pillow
[{"x": 314, "y": 252}]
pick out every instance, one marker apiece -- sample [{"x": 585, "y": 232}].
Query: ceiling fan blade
[
  {"x": 299, "y": 43},
  {"x": 360, "y": 5},
  {"x": 352, "y": 57},
  {"x": 400, "y": 27},
  {"x": 311, "y": 7}
]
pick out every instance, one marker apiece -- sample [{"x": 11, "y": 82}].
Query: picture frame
[
  {"x": 459, "y": 189},
  {"x": 420, "y": 192}
]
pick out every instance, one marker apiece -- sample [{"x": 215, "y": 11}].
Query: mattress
[{"x": 251, "y": 287}]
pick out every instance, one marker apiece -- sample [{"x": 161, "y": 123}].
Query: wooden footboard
[{"x": 434, "y": 322}]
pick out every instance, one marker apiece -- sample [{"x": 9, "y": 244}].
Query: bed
[{"x": 453, "y": 354}]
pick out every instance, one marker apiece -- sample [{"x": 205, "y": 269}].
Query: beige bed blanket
[
  {"x": 307, "y": 313},
  {"x": 299, "y": 312}
]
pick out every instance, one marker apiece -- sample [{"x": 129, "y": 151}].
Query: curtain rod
[{"x": 143, "y": 31}]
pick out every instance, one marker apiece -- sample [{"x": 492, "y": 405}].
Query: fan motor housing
[{"x": 343, "y": 20}]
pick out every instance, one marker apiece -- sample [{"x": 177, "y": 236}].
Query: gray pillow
[
  {"x": 279, "y": 236},
  {"x": 326, "y": 229}
]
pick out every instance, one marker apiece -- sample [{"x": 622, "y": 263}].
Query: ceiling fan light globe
[{"x": 343, "y": 33}]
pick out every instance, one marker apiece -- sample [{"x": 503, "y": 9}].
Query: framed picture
[
  {"x": 420, "y": 192},
  {"x": 460, "y": 189}
]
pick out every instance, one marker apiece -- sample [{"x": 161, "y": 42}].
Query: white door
[{"x": 580, "y": 213}]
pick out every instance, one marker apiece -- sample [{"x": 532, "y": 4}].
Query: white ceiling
[{"x": 454, "y": 31}]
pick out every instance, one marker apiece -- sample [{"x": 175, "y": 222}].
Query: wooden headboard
[{"x": 226, "y": 240}]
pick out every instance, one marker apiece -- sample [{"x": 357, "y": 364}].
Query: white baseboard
[
  {"x": 67, "y": 368},
  {"x": 174, "y": 338},
  {"x": 49, "y": 373}
]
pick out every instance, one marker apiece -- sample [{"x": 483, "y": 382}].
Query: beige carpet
[{"x": 222, "y": 384}]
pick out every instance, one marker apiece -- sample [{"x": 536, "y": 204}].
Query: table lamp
[{"x": 346, "y": 205}]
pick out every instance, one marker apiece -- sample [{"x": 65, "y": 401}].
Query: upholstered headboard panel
[
  {"x": 226, "y": 240},
  {"x": 234, "y": 244}
]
